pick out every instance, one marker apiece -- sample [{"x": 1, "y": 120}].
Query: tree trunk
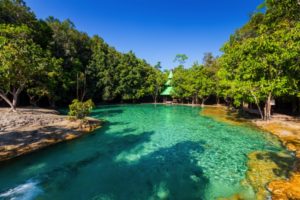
[
  {"x": 294, "y": 105},
  {"x": 193, "y": 100},
  {"x": 228, "y": 102},
  {"x": 299, "y": 106},
  {"x": 203, "y": 101},
  {"x": 155, "y": 99},
  {"x": 83, "y": 89},
  {"x": 15, "y": 94},
  {"x": 14, "y": 102},
  {"x": 218, "y": 100},
  {"x": 258, "y": 106},
  {"x": 4, "y": 97},
  {"x": 77, "y": 87},
  {"x": 32, "y": 100},
  {"x": 268, "y": 107}
]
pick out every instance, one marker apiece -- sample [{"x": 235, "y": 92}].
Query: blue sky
[{"x": 156, "y": 30}]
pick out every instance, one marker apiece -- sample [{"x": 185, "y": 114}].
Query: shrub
[{"x": 79, "y": 109}]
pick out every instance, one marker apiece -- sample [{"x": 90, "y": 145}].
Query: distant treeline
[{"x": 50, "y": 59}]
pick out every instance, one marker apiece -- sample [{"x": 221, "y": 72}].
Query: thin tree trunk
[
  {"x": 218, "y": 100},
  {"x": 268, "y": 107},
  {"x": 298, "y": 106},
  {"x": 15, "y": 94},
  {"x": 257, "y": 104},
  {"x": 4, "y": 97},
  {"x": 77, "y": 86},
  {"x": 155, "y": 96},
  {"x": 32, "y": 100},
  {"x": 84, "y": 88},
  {"x": 203, "y": 101},
  {"x": 294, "y": 105},
  {"x": 265, "y": 112},
  {"x": 228, "y": 102}
]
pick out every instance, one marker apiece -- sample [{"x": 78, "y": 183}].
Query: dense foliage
[
  {"x": 195, "y": 83},
  {"x": 260, "y": 62},
  {"x": 52, "y": 60}
]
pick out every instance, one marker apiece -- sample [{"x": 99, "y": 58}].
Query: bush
[{"x": 79, "y": 109}]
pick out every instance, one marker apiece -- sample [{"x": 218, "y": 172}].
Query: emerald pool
[{"x": 141, "y": 152}]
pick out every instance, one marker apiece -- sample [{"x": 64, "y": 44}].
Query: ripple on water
[{"x": 27, "y": 191}]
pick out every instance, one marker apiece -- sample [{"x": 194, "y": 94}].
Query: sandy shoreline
[{"x": 33, "y": 128}]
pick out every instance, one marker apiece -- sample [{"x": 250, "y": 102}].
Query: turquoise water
[{"x": 142, "y": 152}]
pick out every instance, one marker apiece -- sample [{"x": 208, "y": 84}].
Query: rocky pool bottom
[
  {"x": 152, "y": 152},
  {"x": 263, "y": 168}
]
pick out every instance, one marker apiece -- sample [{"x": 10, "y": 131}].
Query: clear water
[{"x": 142, "y": 152}]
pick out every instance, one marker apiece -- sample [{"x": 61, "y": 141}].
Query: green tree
[
  {"x": 158, "y": 65},
  {"x": 260, "y": 60},
  {"x": 16, "y": 12},
  {"x": 131, "y": 78},
  {"x": 46, "y": 82},
  {"x": 74, "y": 48},
  {"x": 103, "y": 77},
  {"x": 20, "y": 60},
  {"x": 155, "y": 82},
  {"x": 181, "y": 58}
]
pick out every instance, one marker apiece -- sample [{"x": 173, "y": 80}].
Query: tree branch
[{"x": 4, "y": 97}]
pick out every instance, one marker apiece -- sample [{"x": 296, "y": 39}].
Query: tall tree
[
  {"x": 260, "y": 59},
  {"x": 20, "y": 60},
  {"x": 155, "y": 82},
  {"x": 73, "y": 47}
]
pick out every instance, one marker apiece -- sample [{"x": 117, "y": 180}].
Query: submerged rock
[
  {"x": 264, "y": 167},
  {"x": 269, "y": 173},
  {"x": 289, "y": 133},
  {"x": 286, "y": 189}
]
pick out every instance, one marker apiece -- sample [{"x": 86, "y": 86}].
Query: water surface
[{"x": 141, "y": 152}]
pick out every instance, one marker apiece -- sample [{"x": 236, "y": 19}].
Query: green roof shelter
[{"x": 168, "y": 87}]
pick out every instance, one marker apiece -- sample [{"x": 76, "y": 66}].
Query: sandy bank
[{"x": 31, "y": 129}]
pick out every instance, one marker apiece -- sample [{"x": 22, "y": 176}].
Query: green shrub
[{"x": 79, "y": 109}]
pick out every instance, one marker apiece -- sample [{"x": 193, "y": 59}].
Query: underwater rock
[
  {"x": 289, "y": 134},
  {"x": 264, "y": 167},
  {"x": 223, "y": 114},
  {"x": 264, "y": 171},
  {"x": 286, "y": 189}
]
